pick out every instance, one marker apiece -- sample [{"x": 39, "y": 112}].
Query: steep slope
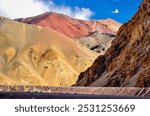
[
  {"x": 127, "y": 61},
  {"x": 32, "y": 55},
  {"x": 70, "y": 26},
  {"x": 96, "y": 41}
]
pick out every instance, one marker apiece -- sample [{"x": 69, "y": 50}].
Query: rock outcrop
[
  {"x": 72, "y": 27},
  {"x": 127, "y": 61}
]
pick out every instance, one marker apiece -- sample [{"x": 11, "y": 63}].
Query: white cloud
[
  {"x": 76, "y": 12},
  {"x": 21, "y": 8},
  {"x": 27, "y": 8},
  {"x": 82, "y": 13},
  {"x": 116, "y": 11}
]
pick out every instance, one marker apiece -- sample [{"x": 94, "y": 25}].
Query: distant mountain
[
  {"x": 127, "y": 61},
  {"x": 33, "y": 55},
  {"x": 72, "y": 27},
  {"x": 96, "y": 41}
]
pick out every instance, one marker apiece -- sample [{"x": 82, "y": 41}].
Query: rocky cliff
[{"x": 127, "y": 61}]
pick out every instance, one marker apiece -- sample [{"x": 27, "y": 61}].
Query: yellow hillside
[{"x": 32, "y": 55}]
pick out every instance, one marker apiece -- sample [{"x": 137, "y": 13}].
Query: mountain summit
[
  {"x": 72, "y": 27},
  {"x": 127, "y": 61}
]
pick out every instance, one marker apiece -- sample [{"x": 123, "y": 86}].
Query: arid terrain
[
  {"x": 53, "y": 55},
  {"x": 32, "y": 55},
  {"x": 35, "y": 50},
  {"x": 95, "y": 34},
  {"x": 47, "y": 92},
  {"x": 96, "y": 41}
]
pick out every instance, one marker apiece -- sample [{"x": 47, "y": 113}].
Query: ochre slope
[
  {"x": 32, "y": 55},
  {"x": 127, "y": 61}
]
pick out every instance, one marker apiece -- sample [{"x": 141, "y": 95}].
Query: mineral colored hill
[
  {"x": 32, "y": 55},
  {"x": 127, "y": 61},
  {"x": 96, "y": 41},
  {"x": 72, "y": 27}
]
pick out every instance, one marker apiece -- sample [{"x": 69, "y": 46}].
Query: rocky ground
[
  {"x": 29, "y": 95},
  {"x": 96, "y": 41},
  {"x": 72, "y": 92}
]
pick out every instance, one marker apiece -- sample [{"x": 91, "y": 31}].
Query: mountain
[
  {"x": 91, "y": 34},
  {"x": 72, "y": 27},
  {"x": 127, "y": 61},
  {"x": 33, "y": 55},
  {"x": 96, "y": 41}
]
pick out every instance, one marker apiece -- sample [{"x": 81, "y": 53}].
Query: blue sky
[
  {"x": 103, "y": 8},
  {"x": 119, "y": 10}
]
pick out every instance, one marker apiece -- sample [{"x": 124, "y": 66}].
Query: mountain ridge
[{"x": 72, "y": 27}]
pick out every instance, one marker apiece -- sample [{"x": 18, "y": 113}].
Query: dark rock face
[{"x": 127, "y": 61}]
